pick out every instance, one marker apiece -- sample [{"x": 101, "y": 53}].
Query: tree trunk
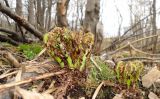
[
  {"x": 49, "y": 14},
  {"x": 19, "y": 11},
  {"x": 20, "y": 20},
  {"x": 62, "y": 6},
  {"x": 19, "y": 7},
  {"x": 15, "y": 36},
  {"x": 154, "y": 27},
  {"x": 8, "y": 31},
  {"x": 8, "y": 39},
  {"x": 31, "y": 14},
  {"x": 41, "y": 6},
  {"x": 92, "y": 15},
  {"x": 92, "y": 18}
]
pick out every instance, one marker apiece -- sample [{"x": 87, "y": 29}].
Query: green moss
[
  {"x": 30, "y": 50},
  {"x": 105, "y": 73}
]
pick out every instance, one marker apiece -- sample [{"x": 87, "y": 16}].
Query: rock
[
  {"x": 152, "y": 96},
  {"x": 152, "y": 76}
]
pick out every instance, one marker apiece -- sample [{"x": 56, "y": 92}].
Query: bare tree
[
  {"x": 19, "y": 12},
  {"x": 40, "y": 14},
  {"x": 21, "y": 21},
  {"x": 48, "y": 15},
  {"x": 154, "y": 25},
  {"x": 61, "y": 15},
  {"x": 92, "y": 15},
  {"x": 99, "y": 35},
  {"x": 31, "y": 13},
  {"x": 92, "y": 18},
  {"x": 19, "y": 7}
]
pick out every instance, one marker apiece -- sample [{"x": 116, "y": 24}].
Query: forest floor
[{"x": 27, "y": 71}]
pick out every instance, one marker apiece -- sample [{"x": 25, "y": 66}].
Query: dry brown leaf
[
  {"x": 32, "y": 95},
  {"x": 118, "y": 96},
  {"x": 152, "y": 96},
  {"x": 150, "y": 77}
]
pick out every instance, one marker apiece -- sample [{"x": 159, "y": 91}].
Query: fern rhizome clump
[
  {"x": 70, "y": 49},
  {"x": 129, "y": 72}
]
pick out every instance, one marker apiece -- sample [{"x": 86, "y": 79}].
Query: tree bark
[
  {"x": 8, "y": 31},
  {"x": 21, "y": 21},
  {"x": 8, "y": 39},
  {"x": 40, "y": 13},
  {"x": 6, "y": 2},
  {"x": 48, "y": 17},
  {"x": 31, "y": 14},
  {"x": 154, "y": 27},
  {"x": 62, "y": 6},
  {"x": 19, "y": 7},
  {"x": 92, "y": 15},
  {"x": 19, "y": 12},
  {"x": 91, "y": 20}
]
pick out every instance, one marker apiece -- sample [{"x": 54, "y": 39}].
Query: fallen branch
[
  {"x": 128, "y": 44},
  {"x": 46, "y": 75},
  {"x": 12, "y": 59},
  {"x": 137, "y": 50},
  {"x": 8, "y": 74},
  {"x": 21, "y": 21},
  {"x": 8, "y": 31},
  {"x": 8, "y": 39},
  {"x": 138, "y": 58},
  {"x": 127, "y": 31}
]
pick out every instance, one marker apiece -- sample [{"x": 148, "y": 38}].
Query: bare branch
[{"x": 21, "y": 21}]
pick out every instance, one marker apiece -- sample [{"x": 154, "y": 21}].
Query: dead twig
[
  {"x": 97, "y": 90},
  {"x": 125, "y": 46},
  {"x": 91, "y": 58},
  {"x": 44, "y": 50},
  {"x": 8, "y": 74},
  {"x": 46, "y": 75},
  {"x": 138, "y": 58},
  {"x": 137, "y": 50},
  {"x": 12, "y": 59}
]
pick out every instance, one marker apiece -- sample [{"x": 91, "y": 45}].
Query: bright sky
[{"x": 110, "y": 15}]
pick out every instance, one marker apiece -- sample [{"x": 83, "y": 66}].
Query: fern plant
[
  {"x": 69, "y": 48},
  {"x": 129, "y": 72}
]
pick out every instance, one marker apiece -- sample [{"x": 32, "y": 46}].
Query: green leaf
[
  {"x": 128, "y": 83},
  {"x": 83, "y": 61},
  {"x": 70, "y": 63},
  {"x": 59, "y": 60},
  {"x": 45, "y": 38}
]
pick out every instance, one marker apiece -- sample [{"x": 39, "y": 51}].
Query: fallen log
[
  {"x": 21, "y": 21},
  {"x": 9, "y": 40},
  {"x": 8, "y": 31}
]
